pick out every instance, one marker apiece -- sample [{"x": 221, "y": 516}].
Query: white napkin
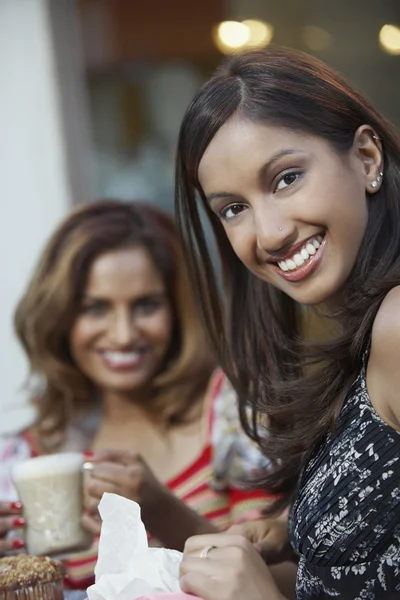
[{"x": 126, "y": 567}]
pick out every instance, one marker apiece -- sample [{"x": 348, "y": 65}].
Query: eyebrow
[
  {"x": 262, "y": 171},
  {"x": 150, "y": 294}
]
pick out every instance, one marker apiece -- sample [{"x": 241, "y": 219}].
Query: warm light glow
[
  {"x": 389, "y": 38},
  {"x": 316, "y": 38},
  {"x": 231, "y": 36},
  {"x": 260, "y": 32}
]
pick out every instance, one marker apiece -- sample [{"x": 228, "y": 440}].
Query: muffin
[{"x": 26, "y": 577}]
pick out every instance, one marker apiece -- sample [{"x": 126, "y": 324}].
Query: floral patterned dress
[{"x": 345, "y": 523}]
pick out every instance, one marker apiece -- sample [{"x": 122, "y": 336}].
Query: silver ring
[
  {"x": 88, "y": 466},
  {"x": 204, "y": 553}
]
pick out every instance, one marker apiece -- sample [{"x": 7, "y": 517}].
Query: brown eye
[
  {"x": 231, "y": 211},
  {"x": 287, "y": 180}
]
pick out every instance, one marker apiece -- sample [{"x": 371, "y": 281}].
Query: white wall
[{"x": 35, "y": 172}]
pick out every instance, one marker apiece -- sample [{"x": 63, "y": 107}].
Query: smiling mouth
[
  {"x": 118, "y": 360},
  {"x": 303, "y": 262},
  {"x": 302, "y": 256}
]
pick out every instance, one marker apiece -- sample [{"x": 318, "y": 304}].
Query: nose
[
  {"x": 273, "y": 229},
  {"x": 121, "y": 331}
]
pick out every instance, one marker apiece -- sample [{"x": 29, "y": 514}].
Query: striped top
[{"x": 215, "y": 485}]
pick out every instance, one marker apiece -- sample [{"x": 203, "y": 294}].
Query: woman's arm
[
  {"x": 170, "y": 520},
  {"x": 125, "y": 473}
]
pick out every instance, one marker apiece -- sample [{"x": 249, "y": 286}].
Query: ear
[{"x": 368, "y": 150}]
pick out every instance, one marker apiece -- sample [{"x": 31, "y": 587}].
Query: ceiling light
[
  {"x": 232, "y": 35},
  {"x": 260, "y": 32},
  {"x": 389, "y": 39}
]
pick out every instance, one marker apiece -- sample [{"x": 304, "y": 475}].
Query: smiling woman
[
  {"x": 113, "y": 279},
  {"x": 300, "y": 179},
  {"x": 122, "y": 370}
]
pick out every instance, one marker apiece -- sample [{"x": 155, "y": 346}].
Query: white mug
[{"x": 51, "y": 491}]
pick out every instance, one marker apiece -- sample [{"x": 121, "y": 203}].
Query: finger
[
  {"x": 9, "y": 523},
  {"x": 91, "y": 505},
  {"x": 10, "y": 545},
  {"x": 202, "y": 586},
  {"x": 91, "y": 524},
  {"x": 115, "y": 473},
  {"x": 196, "y": 544},
  {"x": 123, "y": 457},
  {"x": 191, "y": 564},
  {"x": 254, "y": 530},
  {"x": 7, "y": 508},
  {"x": 95, "y": 488},
  {"x": 245, "y": 530}
]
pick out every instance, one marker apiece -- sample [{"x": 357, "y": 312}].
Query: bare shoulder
[
  {"x": 383, "y": 371},
  {"x": 387, "y": 321}
]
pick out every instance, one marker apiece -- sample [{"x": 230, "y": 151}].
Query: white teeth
[
  {"x": 301, "y": 257},
  {"x": 282, "y": 265},
  {"x": 298, "y": 259},
  {"x": 122, "y": 357}
]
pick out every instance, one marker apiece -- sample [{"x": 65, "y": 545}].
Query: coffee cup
[{"x": 51, "y": 491}]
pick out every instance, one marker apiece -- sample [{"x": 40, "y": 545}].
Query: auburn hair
[{"x": 52, "y": 301}]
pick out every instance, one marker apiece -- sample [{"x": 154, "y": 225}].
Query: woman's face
[
  {"x": 123, "y": 332},
  {"x": 294, "y": 210}
]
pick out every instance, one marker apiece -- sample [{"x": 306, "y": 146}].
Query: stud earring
[
  {"x": 280, "y": 228},
  {"x": 377, "y": 180},
  {"x": 375, "y": 137}
]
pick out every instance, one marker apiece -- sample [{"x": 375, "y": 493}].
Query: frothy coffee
[{"x": 50, "y": 489}]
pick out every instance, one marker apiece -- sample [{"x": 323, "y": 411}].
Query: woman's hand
[
  {"x": 119, "y": 472},
  {"x": 269, "y": 536},
  {"x": 232, "y": 570},
  {"x": 10, "y": 519}
]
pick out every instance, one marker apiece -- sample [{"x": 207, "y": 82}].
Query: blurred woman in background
[{"x": 122, "y": 371}]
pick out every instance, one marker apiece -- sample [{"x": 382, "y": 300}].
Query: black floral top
[{"x": 345, "y": 523}]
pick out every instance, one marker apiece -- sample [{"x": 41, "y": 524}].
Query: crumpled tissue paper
[{"x": 127, "y": 569}]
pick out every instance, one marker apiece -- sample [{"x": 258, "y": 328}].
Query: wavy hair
[
  {"x": 47, "y": 311},
  {"x": 258, "y": 334}
]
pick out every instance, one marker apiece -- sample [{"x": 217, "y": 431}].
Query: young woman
[
  {"x": 300, "y": 179},
  {"x": 122, "y": 370}
]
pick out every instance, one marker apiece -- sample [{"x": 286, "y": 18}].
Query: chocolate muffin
[{"x": 26, "y": 577}]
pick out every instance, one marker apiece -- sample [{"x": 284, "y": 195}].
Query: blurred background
[{"x": 93, "y": 91}]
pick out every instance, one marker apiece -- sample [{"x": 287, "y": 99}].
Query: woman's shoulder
[
  {"x": 387, "y": 320},
  {"x": 383, "y": 371}
]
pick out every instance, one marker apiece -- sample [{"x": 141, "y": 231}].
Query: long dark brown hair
[
  {"x": 258, "y": 335},
  {"x": 52, "y": 301}
]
